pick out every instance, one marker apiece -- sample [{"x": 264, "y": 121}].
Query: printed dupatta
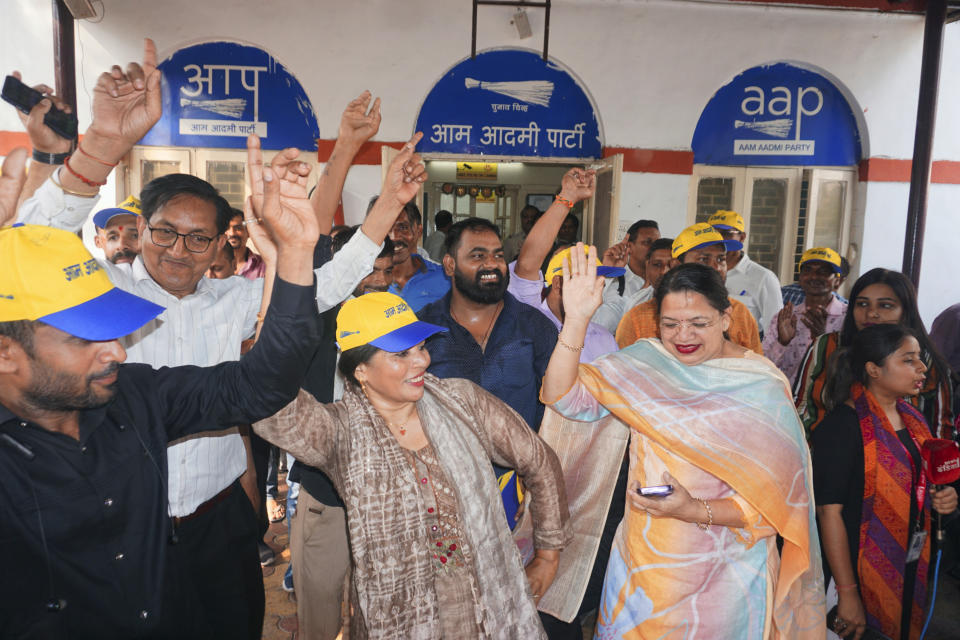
[{"x": 885, "y": 527}]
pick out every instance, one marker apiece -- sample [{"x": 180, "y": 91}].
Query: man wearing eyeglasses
[{"x": 213, "y": 556}]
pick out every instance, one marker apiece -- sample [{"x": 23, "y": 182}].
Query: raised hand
[
  {"x": 582, "y": 287},
  {"x": 617, "y": 255},
  {"x": 816, "y": 320},
  {"x": 12, "y": 177},
  {"x": 279, "y": 197},
  {"x": 126, "y": 104},
  {"x": 786, "y": 324},
  {"x": 359, "y": 121},
  {"x": 404, "y": 176},
  {"x": 578, "y": 184},
  {"x": 42, "y": 137}
]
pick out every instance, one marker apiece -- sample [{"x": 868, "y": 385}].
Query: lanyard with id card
[{"x": 919, "y": 536}]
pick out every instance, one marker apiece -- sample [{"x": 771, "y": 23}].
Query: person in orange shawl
[
  {"x": 715, "y": 421},
  {"x": 879, "y": 296},
  {"x": 700, "y": 244},
  {"x": 873, "y": 501}
]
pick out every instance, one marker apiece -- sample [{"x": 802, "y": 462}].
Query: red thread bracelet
[
  {"x": 83, "y": 179},
  {"x": 103, "y": 162},
  {"x": 567, "y": 203}
]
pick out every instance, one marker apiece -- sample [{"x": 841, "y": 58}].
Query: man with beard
[
  {"x": 117, "y": 231},
  {"x": 83, "y": 437},
  {"x": 417, "y": 280},
  {"x": 494, "y": 340},
  {"x": 248, "y": 263}
]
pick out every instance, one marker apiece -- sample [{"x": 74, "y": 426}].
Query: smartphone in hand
[
  {"x": 656, "y": 491},
  {"x": 26, "y": 98}
]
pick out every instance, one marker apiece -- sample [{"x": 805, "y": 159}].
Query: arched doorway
[{"x": 781, "y": 144}]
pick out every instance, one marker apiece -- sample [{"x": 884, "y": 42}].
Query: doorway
[
  {"x": 502, "y": 189},
  {"x": 787, "y": 210}
]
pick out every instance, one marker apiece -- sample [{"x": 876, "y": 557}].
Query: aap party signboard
[
  {"x": 217, "y": 93},
  {"x": 509, "y": 102},
  {"x": 778, "y": 114}
]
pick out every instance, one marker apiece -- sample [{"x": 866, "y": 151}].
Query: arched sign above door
[
  {"x": 217, "y": 93},
  {"x": 779, "y": 114},
  {"x": 510, "y": 102}
]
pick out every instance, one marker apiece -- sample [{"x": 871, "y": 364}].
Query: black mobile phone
[
  {"x": 26, "y": 98},
  {"x": 656, "y": 491}
]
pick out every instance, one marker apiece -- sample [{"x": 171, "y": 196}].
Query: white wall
[{"x": 650, "y": 65}]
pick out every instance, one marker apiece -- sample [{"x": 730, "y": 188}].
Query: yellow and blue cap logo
[
  {"x": 555, "y": 267},
  {"x": 698, "y": 236},
  {"x": 822, "y": 254},
  {"x": 383, "y": 320},
  {"x": 130, "y": 206},
  {"x": 50, "y": 276},
  {"x": 727, "y": 220}
]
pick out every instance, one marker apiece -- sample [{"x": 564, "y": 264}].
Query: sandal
[{"x": 276, "y": 511}]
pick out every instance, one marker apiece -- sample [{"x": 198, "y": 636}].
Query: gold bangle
[
  {"x": 569, "y": 346},
  {"x": 706, "y": 505},
  {"x": 53, "y": 179}
]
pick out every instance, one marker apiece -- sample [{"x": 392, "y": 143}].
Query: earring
[{"x": 363, "y": 387}]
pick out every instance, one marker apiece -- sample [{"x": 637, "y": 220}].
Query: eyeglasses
[
  {"x": 672, "y": 326},
  {"x": 194, "y": 242}
]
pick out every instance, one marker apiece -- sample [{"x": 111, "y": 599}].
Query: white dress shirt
[
  {"x": 202, "y": 329},
  {"x": 756, "y": 287},
  {"x": 614, "y": 305}
]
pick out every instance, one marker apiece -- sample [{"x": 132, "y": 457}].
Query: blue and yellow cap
[
  {"x": 698, "y": 236},
  {"x": 50, "y": 276},
  {"x": 383, "y": 320},
  {"x": 727, "y": 220},
  {"x": 555, "y": 267},
  {"x": 822, "y": 254},
  {"x": 130, "y": 206}
]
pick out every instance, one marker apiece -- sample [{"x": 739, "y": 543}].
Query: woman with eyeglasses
[
  {"x": 718, "y": 468},
  {"x": 879, "y": 296}
]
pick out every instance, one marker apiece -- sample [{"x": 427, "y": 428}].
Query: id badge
[{"x": 916, "y": 546}]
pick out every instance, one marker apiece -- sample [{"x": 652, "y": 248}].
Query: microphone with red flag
[{"x": 941, "y": 464}]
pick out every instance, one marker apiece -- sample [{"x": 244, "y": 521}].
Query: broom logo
[
  {"x": 536, "y": 92},
  {"x": 779, "y": 128},
  {"x": 231, "y": 107}
]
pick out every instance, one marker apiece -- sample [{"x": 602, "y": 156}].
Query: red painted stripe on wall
[
  {"x": 653, "y": 160},
  {"x": 10, "y": 140},
  {"x": 899, "y": 170},
  {"x": 676, "y": 162}
]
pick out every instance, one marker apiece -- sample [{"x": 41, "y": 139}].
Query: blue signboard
[
  {"x": 217, "y": 93},
  {"x": 509, "y": 102},
  {"x": 778, "y": 114}
]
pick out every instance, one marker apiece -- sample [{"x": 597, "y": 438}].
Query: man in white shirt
[
  {"x": 205, "y": 320},
  {"x": 755, "y": 286},
  {"x": 433, "y": 245},
  {"x": 511, "y": 246},
  {"x": 617, "y": 299}
]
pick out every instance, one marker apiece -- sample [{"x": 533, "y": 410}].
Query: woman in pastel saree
[{"x": 716, "y": 423}]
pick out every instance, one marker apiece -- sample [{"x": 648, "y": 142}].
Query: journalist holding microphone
[{"x": 874, "y": 502}]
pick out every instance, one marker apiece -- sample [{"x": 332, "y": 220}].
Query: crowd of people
[{"x": 487, "y": 437}]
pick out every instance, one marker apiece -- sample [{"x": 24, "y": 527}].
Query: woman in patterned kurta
[
  {"x": 410, "y": 455},
  {"x": 715, "y": 422}
]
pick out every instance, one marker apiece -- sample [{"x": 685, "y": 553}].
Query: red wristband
[
  {"x": 103, "y": 162},
  {"x": 81, "y": 178}
]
